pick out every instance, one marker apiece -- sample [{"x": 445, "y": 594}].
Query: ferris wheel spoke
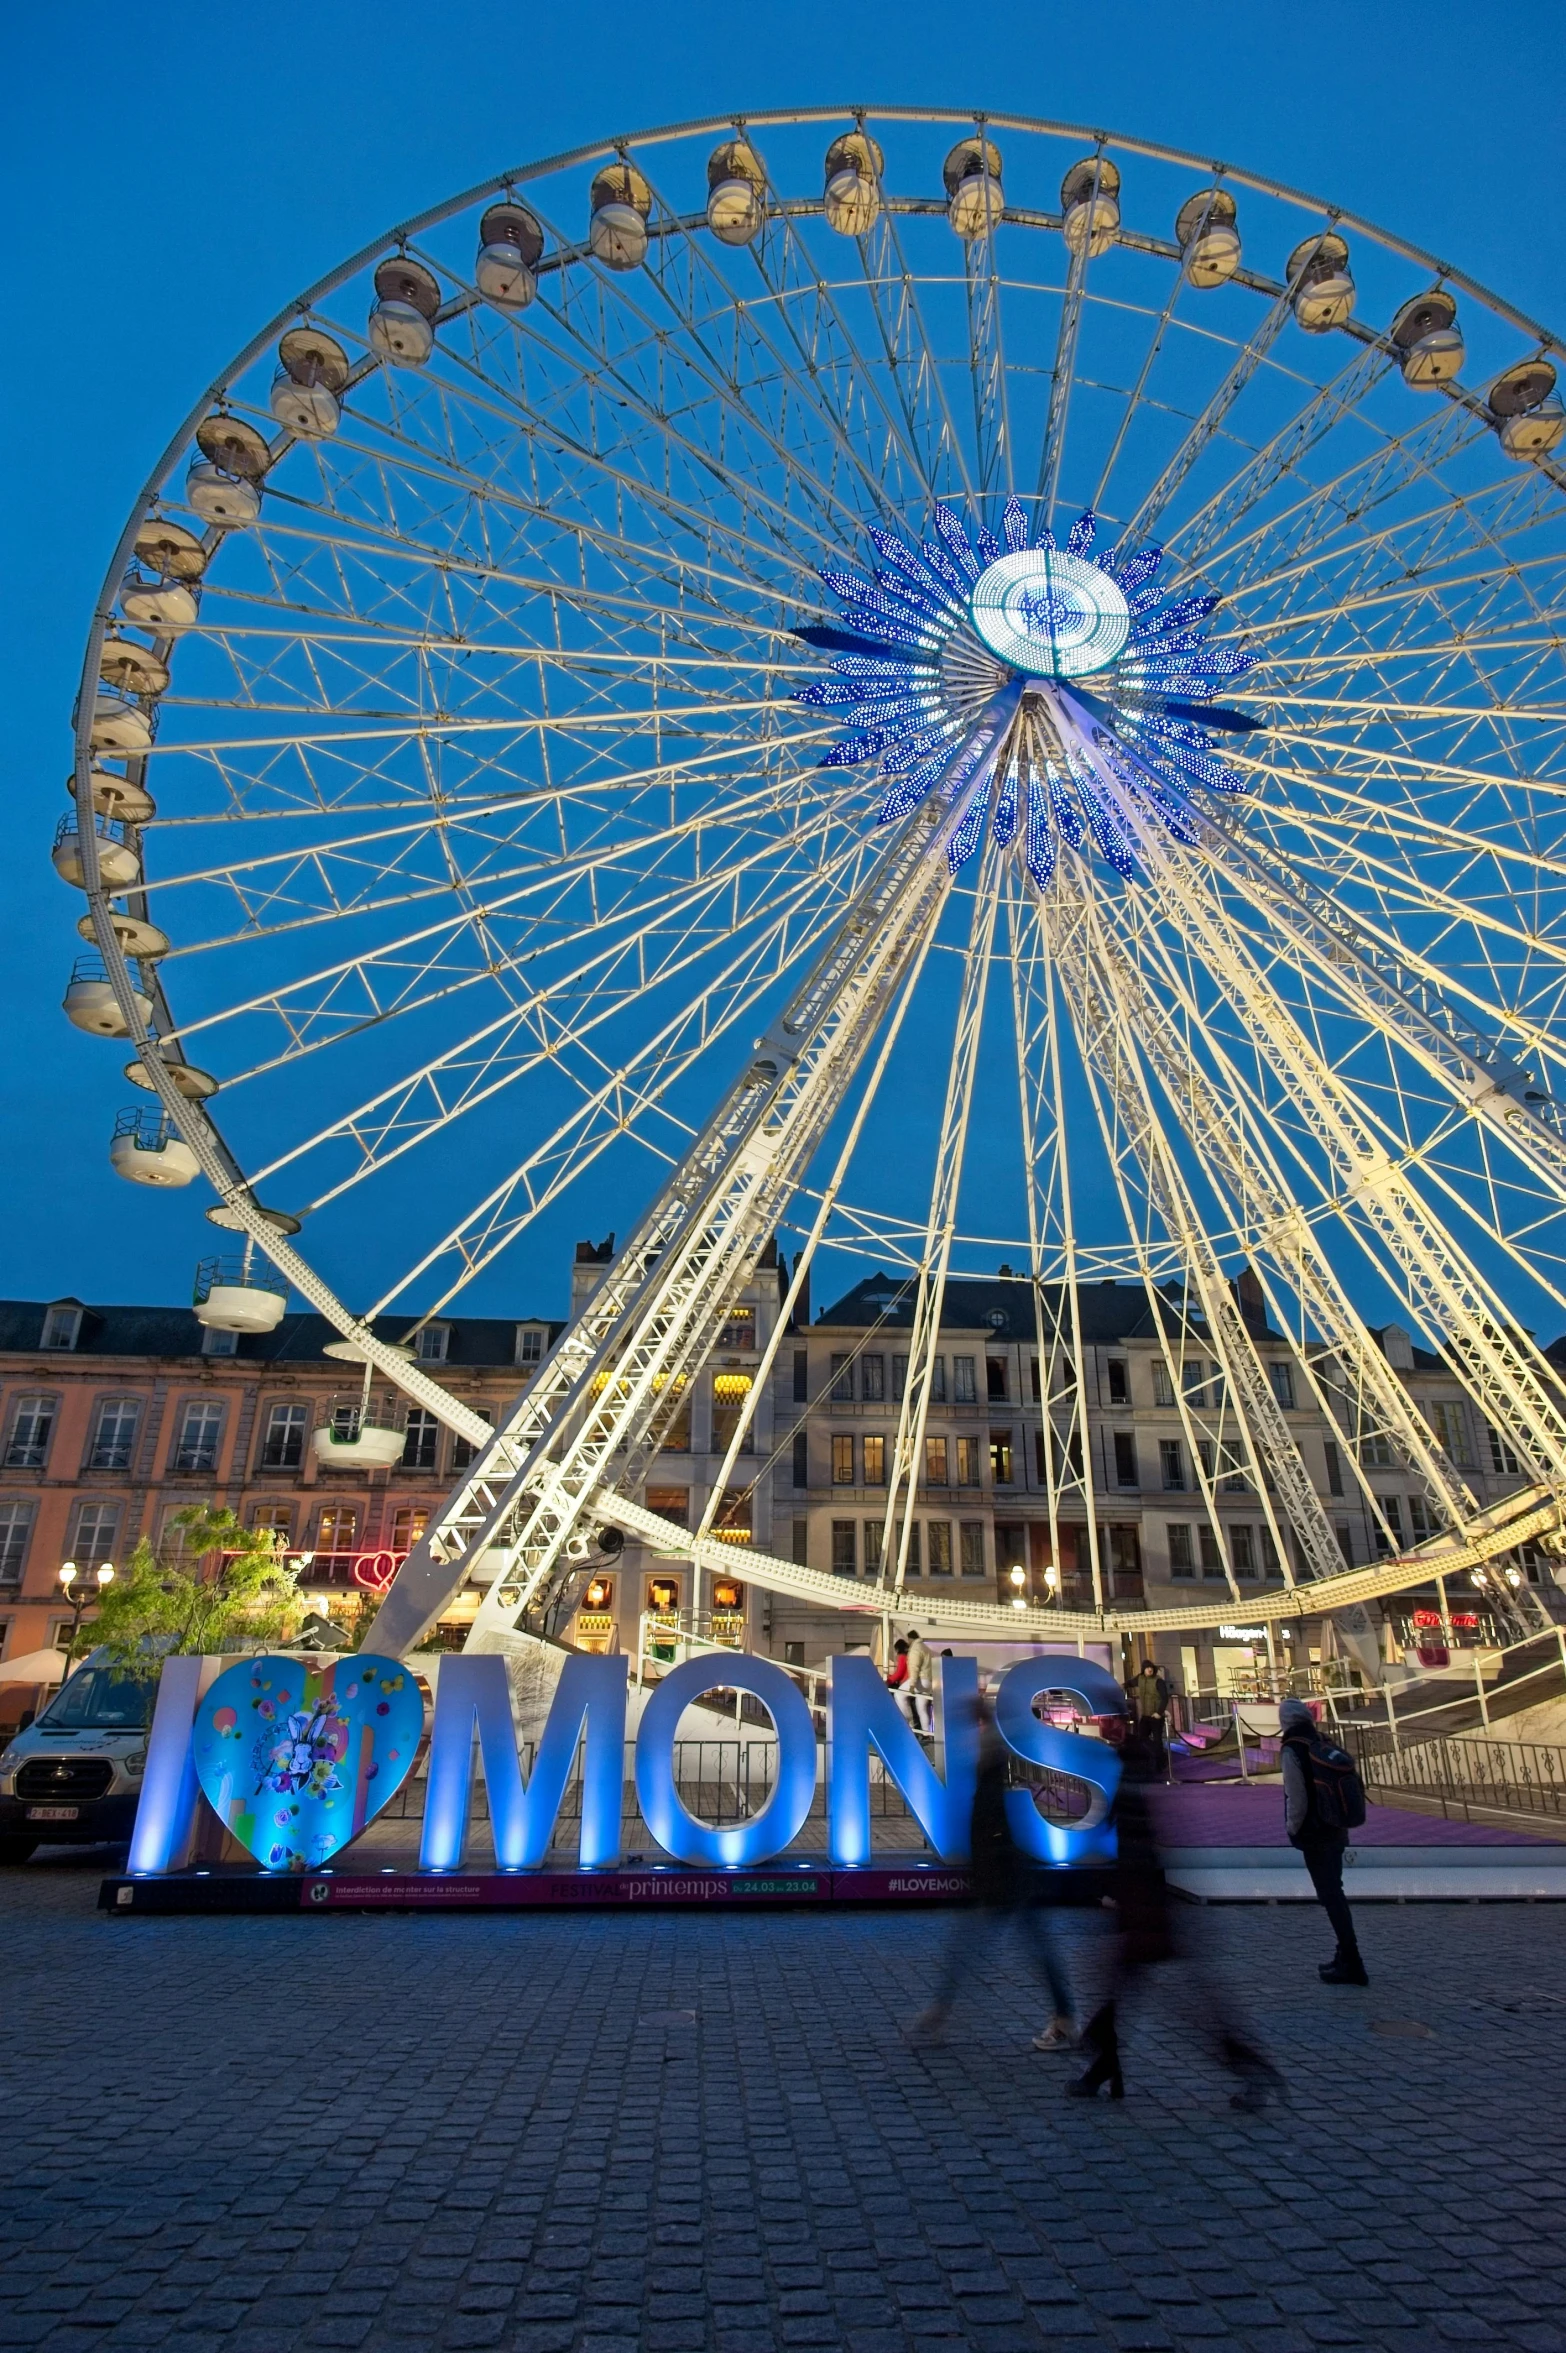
[
  {"x": 911, "y": 360},
  {"x": 1065, "y": 1445},
  {"x": 436, "y": 464},
  {"x": 1408, "y": 560},
  {"x": 609, "y": 1111},
  {"x": 602, "y": 808},
  {"x": 809, "y": 397},
  {"x": 1323, "y": 512},
  {"x": 591, "y": 363},
  {"x": 908, "y": 1450},
  {"x": 1146, "y": 1205},
  {"x": 1353, "y": 922},
  {"x": 1448, "y": 1296},
  {"x": 1221, "y": 1111},
  {"x": 550, "y": 928},
  {"x": 994, "y": 467},
  {"x": 1052, "y": 447},
  {"x": 538, "y": 1031},
  {"x": 381, "y": 539},
  {"x": 1209, "y": 423},
  {"x": 805, "y": 302}
]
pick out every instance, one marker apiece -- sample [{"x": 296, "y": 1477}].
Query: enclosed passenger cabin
[
  {"x": 90, "y": 1003},
  {"x": 1320, "y": 284},
  {"x": 224, "y": 484},
  {"x": 146, "y": 1151},
  {"x": 349, "y": 1441},
  {"x": 120, "y": 726},
  {"x": 736, "y": 193},
  {"x": 1207, "y": 233},
  {"x": 620, "y": 201},
  {"x": 1426, "y": 339},
  {"x": 119, "y": 865},
  {"x": 407, "y": 304},
  {"x": 311, "y": 376},
  {"x": 851, "y": 198},
  {"x": 511, "y": 246},
  {"x": 1090, "y": 205},
  {"x": 233, "y": 1295},
  {"x": 166, "y": 606},
  {"x": 971, "y": 175},
  {"x": 1526, "y": 412}
]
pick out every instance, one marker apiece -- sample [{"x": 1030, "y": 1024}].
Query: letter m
[{"x": 473, "y": 1694}]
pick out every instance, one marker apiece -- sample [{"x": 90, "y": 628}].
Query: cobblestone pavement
[{"x": 580, "y": 2135}]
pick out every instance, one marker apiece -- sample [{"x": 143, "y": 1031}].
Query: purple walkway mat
[{"x": 1229, "y": 1814}]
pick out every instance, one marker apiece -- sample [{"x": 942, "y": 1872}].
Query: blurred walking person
[
  {"x": 1145, "y": 1935},
  {"x": 1007, "y": 1894}
]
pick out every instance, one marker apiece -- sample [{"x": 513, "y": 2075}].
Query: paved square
[{"x": 587, "y": 2134}]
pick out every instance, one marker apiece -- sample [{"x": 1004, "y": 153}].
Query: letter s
[{"x": 1084, "y": 1759}]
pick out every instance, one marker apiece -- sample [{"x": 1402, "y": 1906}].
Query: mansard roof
[{"x": 154, "y": 1332}]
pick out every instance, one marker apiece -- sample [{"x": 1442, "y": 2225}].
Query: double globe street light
[{"x": 78, "y": 1593}]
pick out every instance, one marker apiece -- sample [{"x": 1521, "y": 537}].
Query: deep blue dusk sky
[{"x": 174, "y": 174}]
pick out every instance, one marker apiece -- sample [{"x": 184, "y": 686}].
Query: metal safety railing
[
  {"x": 1465, "y": 1776},
  {"x": 723, "y": 1782}
]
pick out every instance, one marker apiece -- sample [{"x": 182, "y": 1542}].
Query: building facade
[{"x": 113, "y": 1419}]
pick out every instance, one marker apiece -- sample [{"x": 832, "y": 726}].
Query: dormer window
[
  {"x": 62, "y": 1325},
  {"x": 216, "y": 1342},
  {"x": 430, "y": 1343},
  {"x": 530, "y": 1343}
]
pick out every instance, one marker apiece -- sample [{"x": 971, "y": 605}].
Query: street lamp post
[{"x": 77, "y": 1592}]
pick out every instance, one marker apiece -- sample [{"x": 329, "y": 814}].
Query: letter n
[{"x": 864, "y": 1715}]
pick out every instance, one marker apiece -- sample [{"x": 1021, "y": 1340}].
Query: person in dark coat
[
  {"x": 1321, "y": 1846},
  {"x": 1145, "y": 1935},
  {"x": 1006, "y": 1894}
]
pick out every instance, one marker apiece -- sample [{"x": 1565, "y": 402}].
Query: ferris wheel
[{"x": 941, "y": 683}]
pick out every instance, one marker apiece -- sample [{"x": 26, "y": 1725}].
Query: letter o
[{"x": 783, "y": 1816}]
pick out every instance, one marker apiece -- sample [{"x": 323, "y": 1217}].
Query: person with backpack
[{"x": 1323, "y": 1800}]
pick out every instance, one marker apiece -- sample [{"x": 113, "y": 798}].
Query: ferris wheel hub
[{"x": 1049, "y": 614}]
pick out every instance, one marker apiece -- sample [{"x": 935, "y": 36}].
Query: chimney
[{"x": 1252, "y": 1299}]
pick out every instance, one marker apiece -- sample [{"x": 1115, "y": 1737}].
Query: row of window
[
  {"x": 948, "y": 1462},
  {"x": 862, "y": 1378},
  {"x": 198, "y": 1435},
  {"x": 856, "y": 1548}
]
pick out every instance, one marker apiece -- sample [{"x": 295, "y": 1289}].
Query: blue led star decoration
[{"x": 1056, "y": 693}]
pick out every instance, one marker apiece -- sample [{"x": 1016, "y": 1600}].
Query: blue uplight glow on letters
[
  {"x": 589, "y": 1702},
  {"x": 864, "y": 1715},
  {"x": 166, "y": 1816},
  {"x": 782, "y": 1817},
  {"x": 1083, "y": 1757}
]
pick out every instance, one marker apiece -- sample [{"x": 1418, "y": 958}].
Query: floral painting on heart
[{"x": 296, "y": 1757}]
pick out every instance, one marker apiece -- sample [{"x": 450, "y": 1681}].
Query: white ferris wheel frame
[{"x": 548, "y": 1473}]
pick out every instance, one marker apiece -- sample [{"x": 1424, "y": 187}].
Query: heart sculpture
[{"x": 296, "y": 1758}]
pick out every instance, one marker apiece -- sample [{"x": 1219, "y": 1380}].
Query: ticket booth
[
  {"x": 728, "y": 1611},
  {"x": 595, "y": 1627},
  {"x": 662, "y": 1610}
]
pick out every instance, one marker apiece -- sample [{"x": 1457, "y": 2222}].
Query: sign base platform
[{"x": 916, "y": 1883}]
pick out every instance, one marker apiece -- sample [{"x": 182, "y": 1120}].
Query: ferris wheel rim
[{"x": 181, "y": 1117}]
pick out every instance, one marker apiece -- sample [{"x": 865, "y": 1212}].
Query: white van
[{"x": 73, "y": 1777}]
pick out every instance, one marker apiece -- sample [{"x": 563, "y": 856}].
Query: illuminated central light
[{"x": 1049, "y": 614}]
